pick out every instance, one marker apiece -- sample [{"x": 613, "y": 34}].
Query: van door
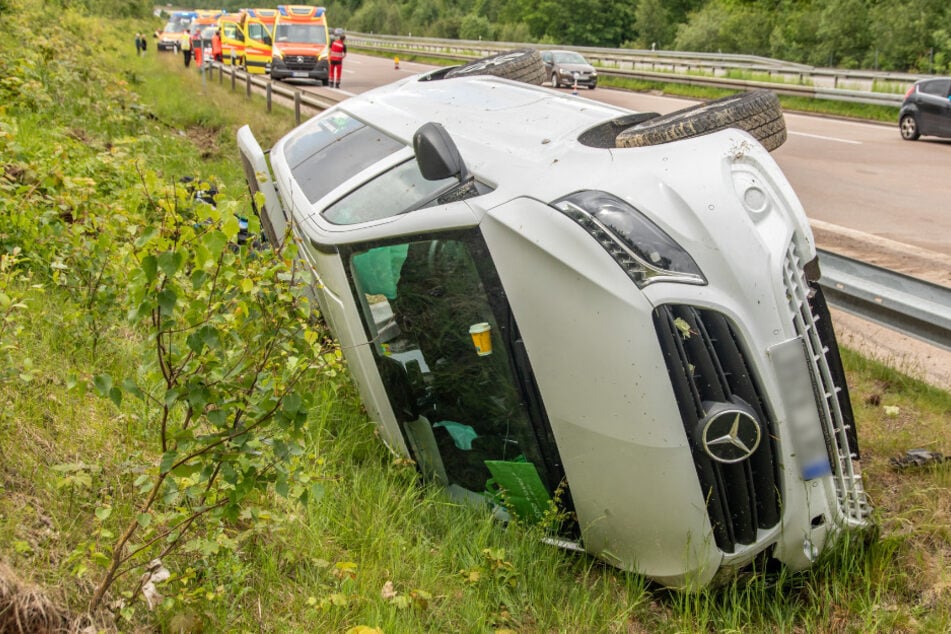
[
  {"x": 455, "y": 370},
  {"x": 273, "y": 218},
  {"x": 257, "y": 47}
]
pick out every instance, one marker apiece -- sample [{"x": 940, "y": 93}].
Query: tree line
[{"x": 894, "y": 35}]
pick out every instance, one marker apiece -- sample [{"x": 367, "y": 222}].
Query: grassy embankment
[{"x": 88, "y": 155}]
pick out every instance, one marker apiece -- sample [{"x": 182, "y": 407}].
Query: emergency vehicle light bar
[{"x": 301, "y": 10}]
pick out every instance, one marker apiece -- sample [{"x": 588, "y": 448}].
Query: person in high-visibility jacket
[
  {"x": 197, "y": 46},
  {"x": 338, "y": 50},
  {"x": 216, "y": 46}
]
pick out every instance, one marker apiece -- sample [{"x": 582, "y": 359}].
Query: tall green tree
[
  {"x": 843, "y": 33},
  {"x": 729, "y": 27},
  {"x": 654, "y": 24},
  {"x": 901, "y": 34}
]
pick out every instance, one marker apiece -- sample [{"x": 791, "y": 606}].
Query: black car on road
[{"x": 926, "y": 109}]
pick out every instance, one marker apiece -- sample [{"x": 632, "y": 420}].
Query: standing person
[
  {"x": 138, "y": 43},
  {"x": 186, "y": 46},
  {"x": 216, "y": 46},
  {"x": 338, "y": 50},
  {"x": 197, "y": 45}
]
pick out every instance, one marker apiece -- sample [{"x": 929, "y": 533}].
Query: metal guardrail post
[
  {"x": 297, "y": 107},
  {"x": 247, "y": 82},
  {"x": 233, "y": 77},
  {"x": 268, "y": 91}
]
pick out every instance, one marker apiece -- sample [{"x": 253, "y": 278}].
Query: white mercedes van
[{"x": 538, "y": 294}]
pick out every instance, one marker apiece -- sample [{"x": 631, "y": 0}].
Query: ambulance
[
  {"x": 246, "y": 38},
  {"x": 301, "y": 44},
  {"x": 170, "y": 37}
]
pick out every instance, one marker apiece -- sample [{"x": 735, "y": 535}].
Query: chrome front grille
[{"x": 813, "y": 324}]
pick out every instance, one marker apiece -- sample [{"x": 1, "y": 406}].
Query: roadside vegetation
[{"x": 181, "y": 449}]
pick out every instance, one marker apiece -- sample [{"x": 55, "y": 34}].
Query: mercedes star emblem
[{"x": 730, "y": 435}]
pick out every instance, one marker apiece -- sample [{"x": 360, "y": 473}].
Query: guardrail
[
  {"x": 703, "y": 69},
  {"x": 899, "y": 302},
  {"x": 297, "y": 97}
]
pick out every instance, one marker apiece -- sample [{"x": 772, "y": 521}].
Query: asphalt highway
[{"x": 861, "y": 176}]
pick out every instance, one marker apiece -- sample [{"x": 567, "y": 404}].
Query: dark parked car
[
  {"x": 566, "y": 68},
  {"x": 926, "y": 109}
]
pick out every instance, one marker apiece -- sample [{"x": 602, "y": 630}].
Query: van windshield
[
  {"x": 333, "y": 149},
  {"x": 401, "y": 189},
  {"x": 301, "y": 33}
]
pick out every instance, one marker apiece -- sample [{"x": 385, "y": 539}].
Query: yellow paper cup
[{"x": 481, "y": 334}]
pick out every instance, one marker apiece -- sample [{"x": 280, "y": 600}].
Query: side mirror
[{"x": 437, "y": 154}]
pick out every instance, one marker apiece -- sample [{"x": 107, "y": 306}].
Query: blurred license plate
[
  {"x": 802, "y": 412},
  {"x": 299, "y": 74}
]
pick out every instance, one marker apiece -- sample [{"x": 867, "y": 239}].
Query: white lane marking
[{"x": 825, "y": 138}]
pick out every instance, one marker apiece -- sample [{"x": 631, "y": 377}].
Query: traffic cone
[{"x": 396, "y": 63}]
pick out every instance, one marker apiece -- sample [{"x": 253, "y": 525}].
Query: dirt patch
[
  {"x": 895, "y": 256},
  {"x": 27, "y": 609},
  {"x": 205, "y": 139}
]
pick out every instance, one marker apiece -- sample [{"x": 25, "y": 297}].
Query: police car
[{"x": 547, "y": 302}]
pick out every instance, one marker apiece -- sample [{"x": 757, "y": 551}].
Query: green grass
[{"x": 371, "y": 525}]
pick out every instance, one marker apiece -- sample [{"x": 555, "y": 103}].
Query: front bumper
[
  {"x": 290, "y": 68},
  {"x": 582, "y": 79}
]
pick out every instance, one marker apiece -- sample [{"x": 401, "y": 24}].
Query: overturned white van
[{"x": 537, "y": 293}]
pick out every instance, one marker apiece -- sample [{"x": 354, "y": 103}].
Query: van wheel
[
  {"x": 523, "y": 65},
  {"x": 757, "y": 112}
]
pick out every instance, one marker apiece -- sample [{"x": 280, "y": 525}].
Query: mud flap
[{"x": 273, "y": 218}]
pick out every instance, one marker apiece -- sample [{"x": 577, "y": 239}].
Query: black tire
[
  {"x": 757, "y": 112},
  {"x": 554, "y": 81},
  {"x": 908, "y": 126},
  {"x": 523, "y": 65}
]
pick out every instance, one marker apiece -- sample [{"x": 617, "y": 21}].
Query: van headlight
[{"x": 640, "y": 247}]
